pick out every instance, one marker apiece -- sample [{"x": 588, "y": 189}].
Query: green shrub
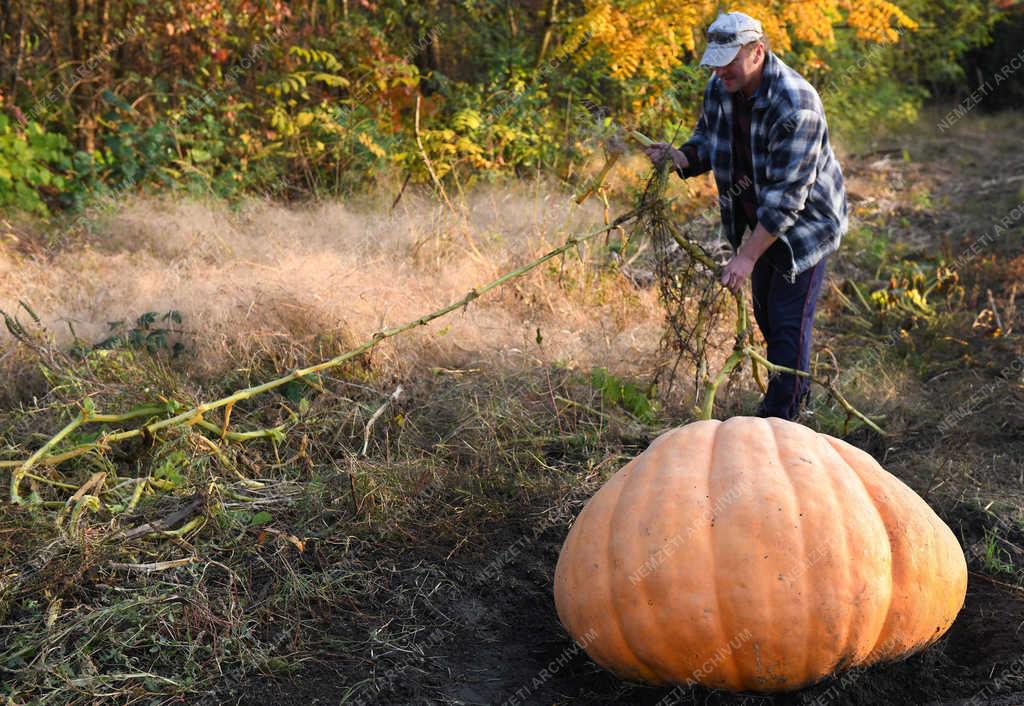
[{"x": 33, "y": 162}]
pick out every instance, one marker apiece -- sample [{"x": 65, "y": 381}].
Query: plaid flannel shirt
[{"x": 797, "y": 179}]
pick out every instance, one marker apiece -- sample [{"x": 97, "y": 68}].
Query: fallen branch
[
  {"x": 163, "y": 524},
  {"x": 155, "y": 566}
]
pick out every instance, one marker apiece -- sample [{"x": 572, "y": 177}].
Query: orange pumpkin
[{"x": 755, "y": 555}]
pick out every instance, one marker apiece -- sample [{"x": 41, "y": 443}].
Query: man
[{"x": 762, "y": 132}]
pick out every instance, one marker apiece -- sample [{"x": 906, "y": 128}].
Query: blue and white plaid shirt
[{"x": 797, "y": 179}]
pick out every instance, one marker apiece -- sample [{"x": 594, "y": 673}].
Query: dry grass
[
  {"x": 491, "y": 421},
  {"x": 268, "y": 278}
]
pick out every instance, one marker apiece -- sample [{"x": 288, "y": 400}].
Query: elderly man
[{"x": 762, "y": 132}]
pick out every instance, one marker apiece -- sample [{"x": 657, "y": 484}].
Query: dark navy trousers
[{"x": 785, "y": 314}]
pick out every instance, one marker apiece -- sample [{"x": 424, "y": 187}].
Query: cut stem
[
  {"x": 24, "y": 468},
  {"x": 850, "y": 409}
]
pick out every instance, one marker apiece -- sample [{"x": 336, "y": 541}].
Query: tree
[{"x": 648, "y": 39}]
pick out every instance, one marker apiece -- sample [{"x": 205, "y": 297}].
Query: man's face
[{"x": 745, "y": 68}]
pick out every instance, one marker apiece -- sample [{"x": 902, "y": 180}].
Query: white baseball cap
[{"x": 727, "y": 34}]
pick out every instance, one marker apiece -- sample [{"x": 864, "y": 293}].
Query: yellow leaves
[
  {"x": 467, "y": 147},
  {"x": 331, "y": 79},
  {"x": 279, "y": 120},
  {"x": 368, "y": 142},
  {"x": 293, "y": 83},
  {"x": 447, "y": 148},
  {"x": 467, "y": 120},
  {"x": 641, "y": 39},
  {"x": 315, "y": 56},
  {"x": 648, "y": 39},
  {"x": 877, "y": 20},
  {"x": 594, "y": 25},
  {"x": 774, "y": 19},
  {"x": 300, "y": 79}
]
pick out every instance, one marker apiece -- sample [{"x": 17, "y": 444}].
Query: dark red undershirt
[
  {"x": 745, "y": 200},
  {"x": 744, "y": 203}
]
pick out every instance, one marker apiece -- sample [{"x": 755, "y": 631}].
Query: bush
[{"x": 33, "y": 163}]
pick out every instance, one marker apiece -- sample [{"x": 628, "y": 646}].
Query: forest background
[{"x": 318, "y": 97}]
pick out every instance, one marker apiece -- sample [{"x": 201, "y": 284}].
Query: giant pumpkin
[{"x": 755, "y": 555}]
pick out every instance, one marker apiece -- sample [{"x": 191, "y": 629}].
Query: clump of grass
[{"x": 995, "y": 559}]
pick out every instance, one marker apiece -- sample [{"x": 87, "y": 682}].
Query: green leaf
[
  {"x": 626, "y": 395},
  {"x": 168, "y": 470},
  {"x": 116, "y": 100},
  {"x": 260, "y": 518},
  {"x": 331, "y": 79},
  {"x": 199, "y": 155},
  {"x": 293, "y": 390}
]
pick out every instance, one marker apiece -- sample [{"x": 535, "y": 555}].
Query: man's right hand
[{"x": 660, "y": 151}]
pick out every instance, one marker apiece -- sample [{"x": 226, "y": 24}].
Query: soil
[{"x": 504, "y": 634}]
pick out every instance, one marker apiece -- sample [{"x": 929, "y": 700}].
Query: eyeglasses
[
  {"x": 721, "y": 37},
  {"x": 733, "y": 37}
]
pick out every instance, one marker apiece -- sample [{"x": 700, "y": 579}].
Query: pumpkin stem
[{"x": 734, "y": 360}]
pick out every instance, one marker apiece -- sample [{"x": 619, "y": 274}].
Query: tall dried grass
[{"x": 266, "y": 280}]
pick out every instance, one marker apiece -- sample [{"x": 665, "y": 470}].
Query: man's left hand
[{"x": 737, "y": 272}]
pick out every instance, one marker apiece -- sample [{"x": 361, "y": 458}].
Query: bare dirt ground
[{"x": 474, "y": 622}]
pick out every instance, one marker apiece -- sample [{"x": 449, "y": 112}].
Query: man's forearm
[
  {"x": 737, "y": 272},
  {"x": 759, "y": 241}
]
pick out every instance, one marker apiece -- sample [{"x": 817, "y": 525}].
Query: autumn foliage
[
  {"x": 647, "y": 39},
  {"x": 298, "y": 100}
]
